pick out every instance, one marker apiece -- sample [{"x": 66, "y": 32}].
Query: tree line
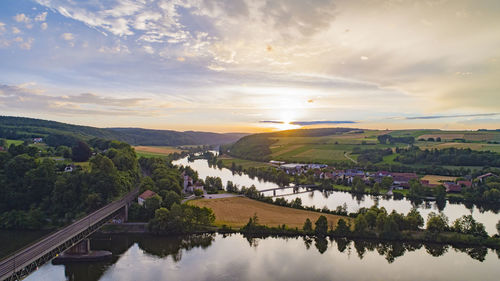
[{"x": 35, "y": 192}]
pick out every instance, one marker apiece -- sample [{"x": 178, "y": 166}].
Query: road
[{"x": 346, "y": 155}]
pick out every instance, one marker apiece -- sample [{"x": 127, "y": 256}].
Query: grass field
[
  {"x": 473, "y": 146},
  {"x": 245, "y": 164},
  {"x": 438, "y": 179},
  {"x": 16, "y": 142},
  {"x": 152, "y": 151},
  {"x": 235, "y": 212}
]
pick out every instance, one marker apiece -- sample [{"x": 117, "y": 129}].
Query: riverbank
[{"x": 233, "y": 215}]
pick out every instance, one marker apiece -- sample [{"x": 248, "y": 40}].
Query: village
[{"x": 399, "y": 180}]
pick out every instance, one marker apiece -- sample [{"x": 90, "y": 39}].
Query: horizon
[{"x": 253, "y": 66}]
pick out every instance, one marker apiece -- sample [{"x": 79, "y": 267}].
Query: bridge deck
[{"x": 25, "y": 257}]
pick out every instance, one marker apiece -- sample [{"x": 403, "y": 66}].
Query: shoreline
[{"x": 423, "y": 236}]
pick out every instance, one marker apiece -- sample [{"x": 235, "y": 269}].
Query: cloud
[
  {"x": 308, "y": 123},
  {"x": 25, "y": 99},
  {"x": 271, "y": 122},
  {"x": 68, "y": 36},
  {"x": 15, "y": 30},
  {"x": 41, "y": 17},
  {"x": 44, "y": 26},
  {"x": 450, "y": 116},
  {"x": 26, "y": 45},
  {"x": 2, "y": 27},
  {"x": 22, "y": 18}
]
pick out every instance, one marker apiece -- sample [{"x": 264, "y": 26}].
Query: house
[
  {"x": 144, "y": 196},
  {"x": 452, "y": 187},
  {"x": 403, "y": 179},
  {"x": 464, "y": 183},
  {"x": 426, "y": 183},
  {"x": 485, "y": 176},
  {"x": 188, "y": 181},
  {"x": 2, "y": 148},
  {"x": 37, "y": 140},
  {"x": 195, "y": 186},
  {"x": 69, "y": 169},
  {"x": 274, "y": 162}
]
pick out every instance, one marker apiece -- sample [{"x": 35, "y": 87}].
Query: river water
[
  {"x": 216, "y": 257},
  {"x": 336, "y": 198}
]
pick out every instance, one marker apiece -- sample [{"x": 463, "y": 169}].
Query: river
[
  {"x": 336, "y": 198},
  {"x": 234, "y": 257}
]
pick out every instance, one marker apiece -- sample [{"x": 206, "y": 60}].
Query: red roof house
[
  {"x": 144, "y": 196},
  {"x": 452, "y": 187}
]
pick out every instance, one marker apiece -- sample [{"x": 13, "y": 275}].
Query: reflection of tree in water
[
  {"x": 475, "y": 253},
  {"x": 173, "y": 245},
  {"x": 436, "y": 250},
  {"x": 307, "y": 241},
  {"x": 321, "y": 244},
  {"x": 395, "y": 249},
  {"x": 342, "y": 243}
]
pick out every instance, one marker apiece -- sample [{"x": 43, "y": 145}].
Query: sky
[{"x": 252, "y": 66}]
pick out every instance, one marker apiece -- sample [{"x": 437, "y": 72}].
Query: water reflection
[{"x": 236, "y": 257}]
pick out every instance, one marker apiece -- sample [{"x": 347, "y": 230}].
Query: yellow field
[
  {"x": 438, "y": 179},
  {"x": 235, "y": 212},
  {"x": 160, "y": 150}
]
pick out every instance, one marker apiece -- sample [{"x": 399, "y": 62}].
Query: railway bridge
[{"x": 20, "y": 264}]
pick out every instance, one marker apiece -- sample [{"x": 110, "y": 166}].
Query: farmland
[
  {"x": 235, "y": 212},
  {"x": 151, "y": 151},
  {"x": 331, "y": 147},
  {"x": 227, "y": 161},
  {"x": 438, "y": 179}
]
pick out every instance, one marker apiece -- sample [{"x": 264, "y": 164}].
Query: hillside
[
  {"x": 24, "y": 128},
  {"x": 333, "y": 145}
]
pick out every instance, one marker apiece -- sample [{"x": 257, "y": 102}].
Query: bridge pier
[
  {"x": 81, "y": 252},
  {"x": 81, "y": 248}
]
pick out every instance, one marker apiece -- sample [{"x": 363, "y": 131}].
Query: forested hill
[{"x": 24, "y": 128}]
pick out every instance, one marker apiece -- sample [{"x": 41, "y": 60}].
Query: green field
[
  {"x": 332, "y": 146},
  {"x": 327, "y": 149},
  {"x": 16, "y": 142},
  {"x": 245, "y": 164}
]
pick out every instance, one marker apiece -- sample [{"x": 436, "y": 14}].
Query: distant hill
[
  {"x": 333, "y": 145},
  {"x": 24, "y": 128}
]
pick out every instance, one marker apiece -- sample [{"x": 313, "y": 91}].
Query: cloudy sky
[{"x": 252, "y": 65}]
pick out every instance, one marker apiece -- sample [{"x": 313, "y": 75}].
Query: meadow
[
  {"x": 154, "y": 151},
  {"x": 227, "y": 161},
  {"x": 235, "y": 212}
]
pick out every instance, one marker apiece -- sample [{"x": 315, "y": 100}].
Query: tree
[
  {"x": 386, "y": 182},
  {"x": 152, "y": 204},
  {"x": 498, "y": 227},
  {"x": 440, "y": 193},
  {"x": 170, "y": 198},
  {"x": 468, "y": 225},
  {"x": 360, "y": 224},
  {"x": 371, "y": 218},
  {"x": 437, "y": 223},
  {"x": 321, "y": 224},
  {"x": 198, "y": 192},
  {"x": 297, "y": 203},
  {"x": 307, "y": 226},
  {"x": 81, "y": 152},
  {"x": 160, "y": 221},
  {"x": 342, "y": 228},
  {"x": 414, "y": 220},
  {"x": 376, "y": 188}
]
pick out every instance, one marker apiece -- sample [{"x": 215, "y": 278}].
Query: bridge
[
  {"x": 20, "y": 264},
  {"x": 286, "y": 187}
]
